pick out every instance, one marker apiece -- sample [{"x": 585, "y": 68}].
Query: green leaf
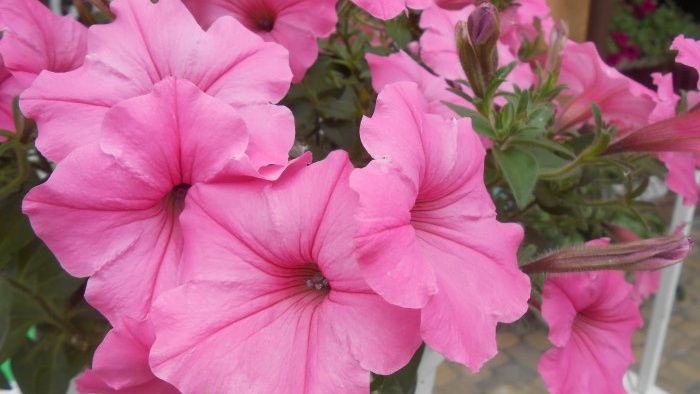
[
  {"x": 42, "y": 368},
  {"x": 5, "y": 308},
  {"x": 520, "y": 170}
]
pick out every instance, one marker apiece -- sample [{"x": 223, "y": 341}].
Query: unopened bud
[
  {"x": 476, "y": 44},
  {"x": 647, "y": 254},
  {"x": 557, "y": 40}
]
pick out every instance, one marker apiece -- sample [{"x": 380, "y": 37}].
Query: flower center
[
  {"x": 265, "y": 23},
  {"x": 176, "y": 197},
  {"x": 318, "y": 283}
]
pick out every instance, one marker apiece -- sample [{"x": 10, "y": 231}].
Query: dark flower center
[
  {"x": 176, "y": 197},
  {"x": 265, "y": 23},
  {"x": 318, "y": 283}
]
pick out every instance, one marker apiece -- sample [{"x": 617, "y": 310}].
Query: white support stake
[{"x": 663, "y": 305}]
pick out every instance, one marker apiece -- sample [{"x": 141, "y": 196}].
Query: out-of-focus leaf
[
  {"x": 5, "y": 308},
  {"x": 520, "y": 171},
  {"x": 42, "y": 368}
]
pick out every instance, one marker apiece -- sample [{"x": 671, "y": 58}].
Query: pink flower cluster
[{"x": 224, "y": 267}]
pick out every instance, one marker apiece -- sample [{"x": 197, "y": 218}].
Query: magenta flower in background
[
  {"x": 123, "y": 196},
  {"x": 591, "y": 318},
  {"x": 275, "y": 303},
  {"x": 590, "y": 81},
  {"x": 294, "y": 24},
  {"x": 388, "y": 9},
  {"x": 156, "y": 41},
  {"x": 35, "y": 39},
  {"x": 120, "y": 363},
  {"x": 427, "y": 225}
]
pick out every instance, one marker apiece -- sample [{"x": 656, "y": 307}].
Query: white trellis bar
[{"x": 663, "y": 306}]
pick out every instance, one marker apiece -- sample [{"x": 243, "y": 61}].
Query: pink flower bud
[{"x": 647, "y": 254}]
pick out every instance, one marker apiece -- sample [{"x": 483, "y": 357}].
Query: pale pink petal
[
  {"x": 479, "y": 286},
  {"x": 35, "y": 39},
  {"x": 423, "y": 199},
  {"x": 400, "y": 67},
  {"x": 295, "y": 24},
  {"x": 388, "y": 9},
  {"x": 681, "y": 174},
  {"x": 155, "y": 41},
  {"x": 121, "y": 360},
  {"x": 301, "y": 44},
  {"x": 688, "y": 52},
  {"x": 593, "y": 348},
  {"x": 196, "y": 137},
  {"x": 402, "y": 275},
  {"x": 646, "y": 283},
  {"x": 518, "y": 23},
  {"x": 666, "y": 99},
  {"x": 249, "y": 304},
  {"x": 590, "y": 81},
  {"x": 438, "y": 44},
  {"x": 89, "y": 192}
]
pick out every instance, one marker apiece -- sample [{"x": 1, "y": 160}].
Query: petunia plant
[{"x": 297, "y": 196}]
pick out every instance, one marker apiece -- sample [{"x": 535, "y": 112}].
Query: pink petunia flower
[
  {"x": 388, "y": 9},
  {"x": 400, "y": 67},
  {"x": 688, "y": 52},
  {"x": 590, "y": 81},
  {"x": 518, "y": 23},
  {"x": 110, "y": 210},
  {"x": 275, "y": 302},
  {"x": 591, "y": 318},
  {"x": 439, "y": 48},
  {"x": 145, "y": 44},
  {"x": 120, "y": 364},
  {"x": 35, "y": 39},
  {"x": 426, "y": 227},
  {"x": 294, "y": 24}
]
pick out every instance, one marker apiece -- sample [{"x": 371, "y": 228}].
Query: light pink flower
[
  {"x": 427, "y": 225},
  {"x": 590, "y": 81},
  {"x": 439, "y": 48},
  {"x": 275, "y": 301},
  {"x": 518, "y": 23},
  {"x": 400, "y": 67},
  {"x": 295, "y": 24},
  {"x": 591, "y": 318},
  {"x": 666, "y": 99},
  {"x": 110, "y": 210},
  {"x": 681, "y": 174},
  {"x": 35, "y": 39},
  {"x": 146, "y": 43},
  {"x": 120, "y": 364},
  {"x": 388, "y": 9},
  {"x": 688, "y": 52}
]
